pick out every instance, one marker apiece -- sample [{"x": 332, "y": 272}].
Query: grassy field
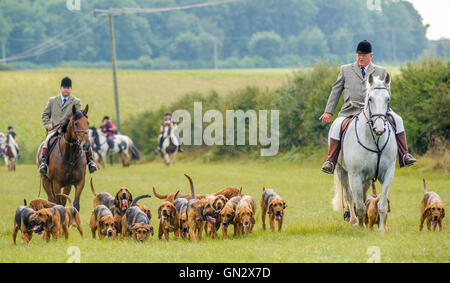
[
  {"x": 313, "y": 232},
  {"x": 24, "y": 94}
]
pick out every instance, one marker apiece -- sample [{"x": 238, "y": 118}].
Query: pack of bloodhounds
[{"x": 187, "y": 216}]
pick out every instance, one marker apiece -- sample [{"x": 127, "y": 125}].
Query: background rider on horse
[
  {"x": 55, "y": 112},
  {"x": 109, "y": 129},
  {"x": 14, "y": 136},
  {"x": 168, "y": 117},
  {"x": 352, "y": 81}
]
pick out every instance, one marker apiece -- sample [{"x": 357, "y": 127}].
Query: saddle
[
  {"x": 52, "y": 143},
  {"x": 347, "y": 121}
]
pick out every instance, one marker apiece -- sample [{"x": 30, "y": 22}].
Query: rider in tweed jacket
[{"x": 352, "y": 81}]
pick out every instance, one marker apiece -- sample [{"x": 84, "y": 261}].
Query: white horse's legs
[
  {"x": 383, "y": 203},
  {"x": 358, "y": 197}
]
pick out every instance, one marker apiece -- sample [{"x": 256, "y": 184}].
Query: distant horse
[
  {"x": 170, "y": 144},
  {"x": 122, "y": 145},
  {"x": 67, "y": 160},
  {"x": 9, "y": 150},
  {"x": 368, "y": 153}
]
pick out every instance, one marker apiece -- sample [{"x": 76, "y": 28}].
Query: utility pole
[
  {"x": 4, "y": 50},
  {"x": 114, "y": 67},
  {"x": 215, "y": 52},
  {"x": 394, "y": 47}
]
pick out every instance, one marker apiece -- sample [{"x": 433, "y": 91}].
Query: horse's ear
[
  {"x": 387, "y": 79},
  {"x": 74, "y": 110},
  {"x": 370, "y": 79},
  {"x": 86, "y": 109}
]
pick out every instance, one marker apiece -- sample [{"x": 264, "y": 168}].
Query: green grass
[
  {"x": 24, "y": 94},
  {"x": 312, "y": 231}
]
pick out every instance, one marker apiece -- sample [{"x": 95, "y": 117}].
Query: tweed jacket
[
  {"x": 54, "y": 112},
  {"x": 351, "y": 82}
]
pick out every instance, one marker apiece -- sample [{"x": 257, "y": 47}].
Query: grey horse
[{"x": 368, "y": 153}]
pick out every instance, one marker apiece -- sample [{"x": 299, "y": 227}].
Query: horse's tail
[
  {"x": 424, "y": 186},
  {"x": 138, "y": 198},
  {"x": 191, "y": 184},
  {"x": 134, "y": 151},
  {"x": 92, "y": 188},
  {"x": 67, "y": 197},
  {"x": 158, "y": 195},
  {"x": 338, "y": 200}
]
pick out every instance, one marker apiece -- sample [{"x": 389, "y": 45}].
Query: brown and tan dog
[
  {"x": 169, "y": 220},
  {"x": 73, "y": 214},
  {"x": 40, "y": 203},
  {"x": 103, "y": 222},
  {"x": 372, "y": 216},
  {"x": 145, "y": 209},
  {"x": 136, "y": 222},
  {"x": 431, "y": 209},
  {"x": 227, "y": 192},
  {"x": 218, "y": 203},
  {"x": 181, "y": 206},
  {"x": 244, "y": 218},
  {"x": 227, "y": 215},
  {"x": 22, "y": 223},
  {"x": 118, "y": 204},
  {"x": 274, "y": 205},
  {"x": 53, "y": 221},
  {"x": 198, "y": 212}
]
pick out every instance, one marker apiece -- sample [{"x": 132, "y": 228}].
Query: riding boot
[
  {"x": 91, "y": 164},
  {"x": 160, "y": 142},
  {"x": 333, "y": 154},
  {"x": 180, "y": 149},
  {"x": 404, "y": 157},
  {"x": 43, "y": 168}
]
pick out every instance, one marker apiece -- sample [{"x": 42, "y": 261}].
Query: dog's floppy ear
[
  {"x": 116, "y": 225},
  {"x": 425, "y": 213},
  {"x": 159, "y": 212},
  {"x": 389, "y": 206},
  {"x": 173, "y": 212},
  {"x": 101, "y": 222},
  {"x": 236, "y": 217},
  {"x": 252, "y": 218},
  {"x": 284, "y": 204},
  {"x": 131, "y": 196},
  {"x": 49, "y": 222},
  {"x": 116, "y": 199},
  {"x": 270, "y": 210},
  {"x": 442, "y": 213}
]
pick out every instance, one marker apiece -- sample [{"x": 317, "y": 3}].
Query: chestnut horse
[{"x": 67, "y": 160}]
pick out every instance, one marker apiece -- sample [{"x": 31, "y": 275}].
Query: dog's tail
[
  {"x": 67, "y": 197},
  {"x": 374, "y": 189},
  {"x": 158, "y": 195},
  {"x": 138, "y": 198},
  {"x": 191, "y": 184},
  {"x": 424, "y": 186},
  {"x": 338, "y": 199},
  {"x": 92, "y": 188}
]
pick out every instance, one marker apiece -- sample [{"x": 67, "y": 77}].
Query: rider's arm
[
  {"x": 161, "y": 128},
  {"x": 336, "y": 92},
  {"x": 47, "y": 115}
]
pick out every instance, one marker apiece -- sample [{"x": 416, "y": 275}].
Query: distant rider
[
  {"x": 168, "y": 117},
  {"x": 109, "y": 129}
]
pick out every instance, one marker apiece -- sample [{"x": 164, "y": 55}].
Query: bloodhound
[
  {"x": 72, "y": 213},
  {"x": 22, "y": 222},
  {"x": 53, "y": 221},
  {"x": 181, "y": 206},
  {"x": 431, "y": 209},
  {"x": 40, "y": 203},
  {"x": 227, "y": 215},
  {"x": 136, "y": 222},
  {"x": 372, "y": 216},
  {"x": 169, "y": 220},
  {"x": 103, "y": 221},
  {"x": 274, "y": 205},
  {"x": 244, "y": 218}
]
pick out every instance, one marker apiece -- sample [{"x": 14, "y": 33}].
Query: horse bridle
[
  {"x": 77, "y": 141},
  {"x": 383, "y": 117},
  {"x": 371, "y": 123}
]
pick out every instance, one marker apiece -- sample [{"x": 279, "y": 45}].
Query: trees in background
[{"x": 259, "y": 33}]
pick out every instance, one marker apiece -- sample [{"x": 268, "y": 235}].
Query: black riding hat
[
  {"x": 66, "y": 82},
  {"x": 10, "y": 127},
  {"x": 168, "y": 113},
  {"x": 106, "y": 117},
  {"x": 364, "y": 47}
]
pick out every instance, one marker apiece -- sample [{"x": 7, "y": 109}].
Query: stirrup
[
  {"x": 328, "y": 171},
  {"x": 43, "y": 168}
]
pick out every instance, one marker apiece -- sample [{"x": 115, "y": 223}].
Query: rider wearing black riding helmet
[{"x": 168, "y": 117}]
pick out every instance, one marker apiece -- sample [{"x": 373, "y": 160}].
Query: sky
[{"x": 436, "y": 13}]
